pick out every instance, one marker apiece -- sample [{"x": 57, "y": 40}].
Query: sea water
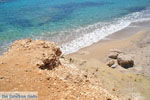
[{"x": 72, "y": 24}]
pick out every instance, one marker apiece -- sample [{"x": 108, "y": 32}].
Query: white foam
[
  {"x": 90, "y": 38},
  {"x": 100, "y": 33}
]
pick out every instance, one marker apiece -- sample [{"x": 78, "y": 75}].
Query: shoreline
[{"x": 122, "y": 34}]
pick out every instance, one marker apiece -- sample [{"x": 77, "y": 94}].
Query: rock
[
  {"x": 113, "y": 55},
  {"x": 110, "y": 63},
  {"x": 125, "y": 61}
]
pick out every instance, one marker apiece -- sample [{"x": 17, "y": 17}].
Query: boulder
[{"x": 125, "y": 61}]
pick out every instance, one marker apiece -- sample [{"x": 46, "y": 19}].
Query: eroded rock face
[
  {"x": 125, "y": 61},
  {"x": 40, "y": 53}
]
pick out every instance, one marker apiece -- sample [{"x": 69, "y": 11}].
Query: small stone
[
  {"x": 85, "y": 76},
  {"x": 110, "y": 63},
  {"x": 113, "y": 89}
]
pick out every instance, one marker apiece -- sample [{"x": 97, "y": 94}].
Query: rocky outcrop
[{"x": 40, "y": 53}]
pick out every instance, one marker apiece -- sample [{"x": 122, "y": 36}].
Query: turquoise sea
[{"x": 72, "y": 24}]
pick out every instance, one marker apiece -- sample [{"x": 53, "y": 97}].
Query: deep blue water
[{"x": 63, "y": 21}]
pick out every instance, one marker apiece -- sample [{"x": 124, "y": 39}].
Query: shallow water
[{"x": 72, "y": 24}]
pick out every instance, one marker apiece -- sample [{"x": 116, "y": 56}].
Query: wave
[{"x": 102, "y": 30}]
